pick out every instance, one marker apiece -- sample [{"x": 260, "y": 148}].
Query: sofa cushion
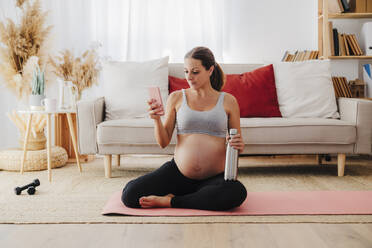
[
  {"x": 297, "y": 131},
  {"x": 125, "y": 86},
  {"x": 305, "y": 89},
  {"x": 128, "y": 131},
  {"x": 255, "y": 92},
  {"x": 176, "y": 83},
  {"x": 276, "y": 131}
]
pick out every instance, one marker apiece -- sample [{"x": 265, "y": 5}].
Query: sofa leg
[
  {"x": 107, "y": 162},
  {"x": 117, "y": 159},
  {"x": 341, "y": 158},
  {"x": 318, "y": 159}
]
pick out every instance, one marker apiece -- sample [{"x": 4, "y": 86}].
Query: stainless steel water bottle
[{"x": 231, "y": 163}]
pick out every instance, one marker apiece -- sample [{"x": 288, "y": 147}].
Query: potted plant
[{"x": 37, "y": 89}]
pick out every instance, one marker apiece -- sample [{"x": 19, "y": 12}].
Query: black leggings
[{"x": 213, "y": 193}]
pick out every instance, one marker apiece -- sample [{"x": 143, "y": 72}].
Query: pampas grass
[
  {"x": 21, "y": 41},
  {"x": 81, "y": 71},
  {"x": 19, "y": 3},
  {"x": 20, "y": 120}
]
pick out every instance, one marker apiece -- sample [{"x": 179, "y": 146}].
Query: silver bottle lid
[{"x": 233, "y": 131}]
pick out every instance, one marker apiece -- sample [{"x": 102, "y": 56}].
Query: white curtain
[{"x": 135, "y": 30}]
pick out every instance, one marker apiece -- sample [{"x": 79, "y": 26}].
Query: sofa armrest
[
  {"x": 359, "y": 112},
  {"x": 89, "y": 114}
]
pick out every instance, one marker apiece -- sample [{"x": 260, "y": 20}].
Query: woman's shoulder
[
  {"x": 175, "y": 94},
  {"x": 230, "y": 103},
  {"x": 174, "y": 97},
  {"x": 228, "y": 98}
]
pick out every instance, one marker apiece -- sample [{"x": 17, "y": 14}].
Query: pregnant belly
[{"x": 200, "y": 156}]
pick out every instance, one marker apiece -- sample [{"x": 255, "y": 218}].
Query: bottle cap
[{"x": 233, "y": 131}]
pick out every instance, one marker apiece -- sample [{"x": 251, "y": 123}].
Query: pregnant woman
[{"x": 202, "y": 115}]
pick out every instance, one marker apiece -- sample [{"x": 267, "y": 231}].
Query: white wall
[
  {"x": 256, "y": 31},
  {"x": 261, "y": 31}
]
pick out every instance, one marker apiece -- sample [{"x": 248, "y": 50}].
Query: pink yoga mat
[{"x": 267, "y": 203}]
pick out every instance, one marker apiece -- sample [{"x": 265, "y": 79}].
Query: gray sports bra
[{"x": 212, "y": 122}]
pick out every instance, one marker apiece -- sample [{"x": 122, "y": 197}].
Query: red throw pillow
[
  {"x": 175, "y": 83},
  {"x": 255, "y": 92}
]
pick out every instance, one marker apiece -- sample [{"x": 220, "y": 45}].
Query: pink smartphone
[{"x": 154, "y": 93}]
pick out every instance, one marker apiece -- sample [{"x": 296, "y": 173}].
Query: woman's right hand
[{"x": 155, "y": 110}]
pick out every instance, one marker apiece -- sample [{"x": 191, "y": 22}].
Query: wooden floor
[{"x": 187, "y": 235}]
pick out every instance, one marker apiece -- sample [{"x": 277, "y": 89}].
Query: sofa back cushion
[
  {"x": 255, "y": 91},
  {"x": 175, "y": 83},
  {"x": 125, "y": 86},
  {"x": 305, "y": 89}
]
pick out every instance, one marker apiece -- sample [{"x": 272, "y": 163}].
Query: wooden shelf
[
  {"x": 349, "y": 15},
  {"x": 350, "y": 57}
]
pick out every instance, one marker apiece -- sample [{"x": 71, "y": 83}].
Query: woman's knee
[
  {"x": 237, "y": 192},
  {"x": 130, "y": 195}
]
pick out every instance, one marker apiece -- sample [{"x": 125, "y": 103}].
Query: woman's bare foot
[{"x": 153, "y": 201}]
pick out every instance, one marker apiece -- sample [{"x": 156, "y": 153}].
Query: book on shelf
[
  {"x": 349, "y": 44},
  {"x": 335, "y": 87},
  {"x": 285, "y": 56},
  {"x": 307, "y": 55},
  {"x": 357, "y": 44},
  {"x": 335, "y": 41},
  {"x": 342, "y": 44},
  {"x": 345, "y": 5},
  {"x": 358, "y": 6},
  {"x": 331, "y": 42},
  {"x": 346, "y": 87},
  {"x": 362, "y": 6},
  {"x": 335, "y": 6},
  {"x": 347, "y": 51},
  {"x": 297, "y": 56},
  {"x": 341, "y": 92},
  {"x": 300, "y": 56},
  {"x": 354, "y": 44},
  {"x": 341, "y": 87}
]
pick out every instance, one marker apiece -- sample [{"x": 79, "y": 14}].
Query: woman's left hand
[{"x": 236, "y": 141}]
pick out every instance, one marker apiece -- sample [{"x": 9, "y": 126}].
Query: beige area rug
[{"x": 79, "y": 198}]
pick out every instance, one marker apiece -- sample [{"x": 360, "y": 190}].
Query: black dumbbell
[
  {"x": 30, "y": 187},
  {"x": 31, "y": 190}
]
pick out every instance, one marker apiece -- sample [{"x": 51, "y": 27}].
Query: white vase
[{"x": 35, "y": 102}]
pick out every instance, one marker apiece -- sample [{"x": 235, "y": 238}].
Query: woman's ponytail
[{"x": 217, "y": 78}]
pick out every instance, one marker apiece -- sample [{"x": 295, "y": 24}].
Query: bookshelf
[
  {"x": 347, "y": 67},
  {"x": 349, "y": 15},
  {"x": 323, "y": 30},
  {"x": 350, "y": 57}
]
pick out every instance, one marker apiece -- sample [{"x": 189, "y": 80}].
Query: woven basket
[
  {"x": 34, "y": 143},
  {"x": 10, "y": 159}
]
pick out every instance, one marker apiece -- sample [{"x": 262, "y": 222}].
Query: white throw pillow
[
  {"x": 125, "y": 86},
  {"x": 305, "y": 89}
]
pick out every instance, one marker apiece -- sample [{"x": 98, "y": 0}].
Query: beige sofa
[{"x": 351, "y": 134}]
